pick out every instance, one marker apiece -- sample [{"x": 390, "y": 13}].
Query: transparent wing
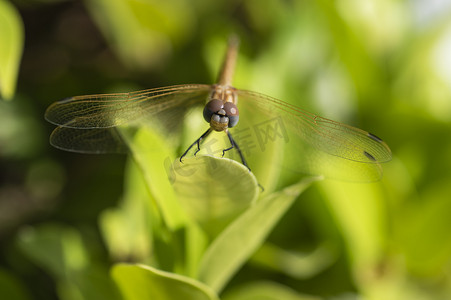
[
  {"x": 343, "y": 149},
  {"x": 110, "y": 110},
  {"x": 86, "y": 124},
  {"x": 329, "y": 136},
  {"x": 94, "y": 141}
]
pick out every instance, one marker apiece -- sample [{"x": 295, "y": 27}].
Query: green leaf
[
  {"x": 243, "y": 237},
  {"x": 359, "y": 62},
  {"x": 171, "y": 226},
  {"x": 60, "y": 251},
  {"x": 11, "y": 41},
  {"x": 266, "y": 291},
  {"x": 143, "y": 32},
  {"x": 139, "y": 282},
  {"x": 196, "y": 243},
  {"x": 152, "y": 154},
  {"x": 213, "y": 190},
  {"x": 294, "y": 264},
  {"x": 90, "y": 284},
  {"x": 11, "y": 287},
  {"x": 360, "y": 213},
  {"x": 56, "y": 248},
  {"x": 428, "y": 220},
  {"x": 127, "y": 229}
]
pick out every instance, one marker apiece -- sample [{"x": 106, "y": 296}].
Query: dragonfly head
[{"x": 221, "y": 115}]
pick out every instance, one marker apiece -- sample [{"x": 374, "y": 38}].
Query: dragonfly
[{"x": 86, "y": 124}]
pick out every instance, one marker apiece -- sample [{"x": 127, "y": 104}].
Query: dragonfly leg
[
  {"x": 198, "y": 141},
  {"x": 235, "y": 145},
  {"x": 227, "y": 149}
]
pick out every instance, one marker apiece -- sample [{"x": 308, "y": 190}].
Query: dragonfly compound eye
[
  {"x": 211, "y": 108},
  {"x": 232, "y": 112}
]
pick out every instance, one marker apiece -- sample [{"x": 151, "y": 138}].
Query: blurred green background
[{"x": 383, "y": 66}]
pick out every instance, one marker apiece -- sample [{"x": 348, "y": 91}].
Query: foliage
[
  {"x": 11, "y": 38},
  {"x": 82, "y": 227}
]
